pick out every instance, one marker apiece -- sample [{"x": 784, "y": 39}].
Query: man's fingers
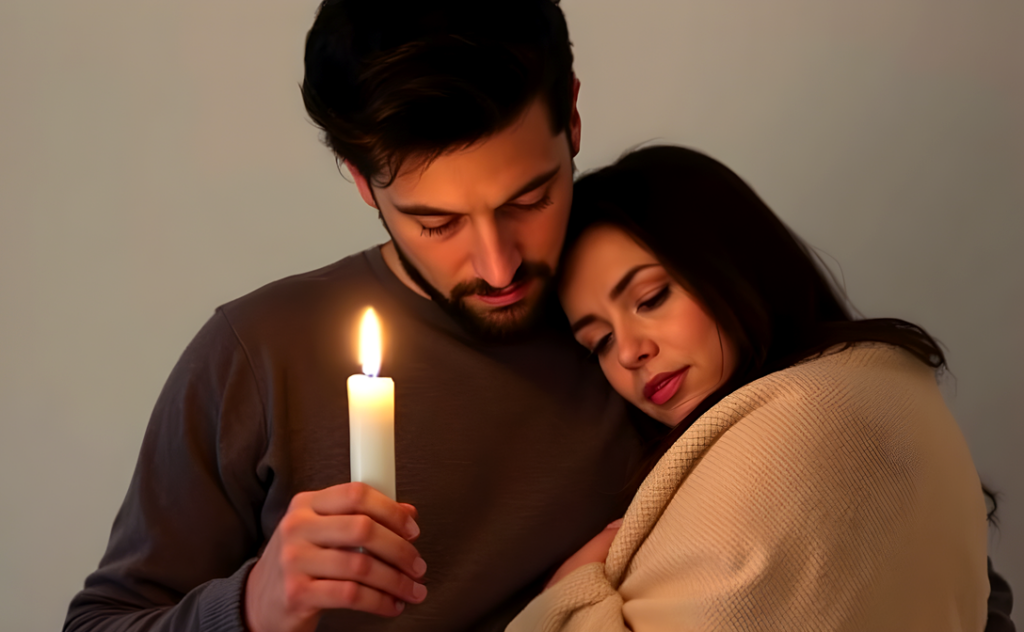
[
  {"x": 326, "y": 594},
  {"x": 364, "y": 569},
  {"x": 359, "y": 531},
  {"x": 412, "y": 511},
  {"x": 358, "y": 498}
]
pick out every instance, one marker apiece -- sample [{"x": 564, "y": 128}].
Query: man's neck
[{"x": 394, "y": 264}]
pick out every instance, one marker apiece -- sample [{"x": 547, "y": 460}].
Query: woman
[{"x": 813, "y": 478}]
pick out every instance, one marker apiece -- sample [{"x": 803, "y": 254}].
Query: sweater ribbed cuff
[{"x": 222, "y": 604}]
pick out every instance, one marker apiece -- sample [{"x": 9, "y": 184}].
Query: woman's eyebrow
[
  {"x": 583, "y": 322},
  {"x": 623, "y": 283}
]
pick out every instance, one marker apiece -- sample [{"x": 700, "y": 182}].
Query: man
[{"x": 457, "y": 120}]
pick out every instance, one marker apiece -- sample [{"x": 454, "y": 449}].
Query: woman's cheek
[
  {"x": 619, "y": 378},
  {"x": 629, "y": 391}
]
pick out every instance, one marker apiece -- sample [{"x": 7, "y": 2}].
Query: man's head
[{"x": 458, "y": 121}]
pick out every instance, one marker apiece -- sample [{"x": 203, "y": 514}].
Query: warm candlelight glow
[
  {"x": 369, "y": 343},
  {"x": 371, "y": 414}
]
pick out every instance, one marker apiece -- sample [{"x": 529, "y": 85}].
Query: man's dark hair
[{"x": 390, "y": 79}]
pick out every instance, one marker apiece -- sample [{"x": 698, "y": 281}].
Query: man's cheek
[{"x": 550, "y": 245}]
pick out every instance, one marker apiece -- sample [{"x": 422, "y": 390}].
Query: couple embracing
[{"x": 655, "y": 412}]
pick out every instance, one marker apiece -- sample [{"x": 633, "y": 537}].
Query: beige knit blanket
[{"x": 838, "y": 494}]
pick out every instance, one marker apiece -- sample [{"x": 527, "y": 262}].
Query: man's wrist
[{"x": 222, "y": 605}]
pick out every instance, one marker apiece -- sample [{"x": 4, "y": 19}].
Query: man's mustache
[{"x": 527, "y": 270}]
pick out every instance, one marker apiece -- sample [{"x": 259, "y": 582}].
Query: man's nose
[
  {"x": 495, "y": 255},
  {"x": 635, "y": 350}
]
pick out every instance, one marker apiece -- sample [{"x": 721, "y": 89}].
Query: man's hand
[
  {"x": 311, "y": 562},
  {"x": 594, "y": 551}
]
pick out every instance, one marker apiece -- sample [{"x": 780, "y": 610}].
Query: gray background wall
[{"x": 155, "y": 161}]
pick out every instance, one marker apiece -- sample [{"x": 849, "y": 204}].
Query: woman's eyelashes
[
  {"x": 655, "y": 301},
  {"x": 646, "y": 304},
  {"x": 601, "y": 346},
  {"x": 443, "y": 229}
]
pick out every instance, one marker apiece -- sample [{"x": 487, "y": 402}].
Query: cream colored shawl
[{"x": 838, "y": 494}]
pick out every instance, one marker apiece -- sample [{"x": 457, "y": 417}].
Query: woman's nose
[{"x": 636, "y": 351}]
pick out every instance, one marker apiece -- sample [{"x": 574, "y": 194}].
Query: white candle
[{"x": 371, "y": 415}]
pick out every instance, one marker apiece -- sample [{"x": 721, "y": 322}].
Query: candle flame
[{"x": 369, "y": 343}]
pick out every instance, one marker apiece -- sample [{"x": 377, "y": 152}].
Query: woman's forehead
[
  {"x": 611, "y": 244},
  {"x": 598, "y": 261}
]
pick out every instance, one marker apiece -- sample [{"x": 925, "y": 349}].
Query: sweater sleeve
[{"x": 188, "y": 530}]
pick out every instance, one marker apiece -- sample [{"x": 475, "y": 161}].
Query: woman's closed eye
[
  {"x": 600, "y": 347},
  {"x": 654, "y": 301},
  {"x": 648, "y": 303}
]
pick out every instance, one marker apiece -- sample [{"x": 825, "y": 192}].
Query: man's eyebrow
[
  {"x": 536, "y": 183},
  {"x": 620, "y": 287},
  {"x": 583, "y": 322},
  {"x": 422, "y": 210}
]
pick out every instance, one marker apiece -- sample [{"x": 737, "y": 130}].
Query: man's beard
[{"x": 499, "y": 323}]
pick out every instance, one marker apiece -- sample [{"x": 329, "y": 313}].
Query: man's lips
[
  {"x": 508, "y": 295},
  {"x": 663, "y": 386}
]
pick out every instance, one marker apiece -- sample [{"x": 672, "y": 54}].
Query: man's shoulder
[
  {"x": 301, "y": 305},
  {"x": 354, "y": 273}
]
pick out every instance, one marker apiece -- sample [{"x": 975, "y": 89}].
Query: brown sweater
[
  {"x": 513, "y": 453},
  {"x": 838, "y": 494}
]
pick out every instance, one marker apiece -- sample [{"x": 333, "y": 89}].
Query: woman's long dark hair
[{"x": 756, "y": 278}]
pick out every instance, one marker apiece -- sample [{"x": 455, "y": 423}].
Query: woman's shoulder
[
  {"x": 866, "y": 369},
  {"x": 851, "y": 382},
  {"x": 869, "y": 397},
  {"x": 847, "y": 467},
  {"x": 846, "y": 426}
]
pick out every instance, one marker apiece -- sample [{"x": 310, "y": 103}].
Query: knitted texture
[{"x": 838, "y": 494}]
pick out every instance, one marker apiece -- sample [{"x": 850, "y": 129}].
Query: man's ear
[
  {"x": 362, "y": 184},
  {"x": 574, "y": 118}
]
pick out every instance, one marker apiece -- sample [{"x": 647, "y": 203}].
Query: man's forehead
[{"x": 491, "y": 170}]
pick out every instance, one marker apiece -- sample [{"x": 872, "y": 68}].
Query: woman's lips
[
  {"x": 663, "y": 386},
  {"x": 509, "y": 294}
]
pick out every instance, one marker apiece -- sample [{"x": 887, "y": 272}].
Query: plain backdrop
[{"x": 156, "y": 161}]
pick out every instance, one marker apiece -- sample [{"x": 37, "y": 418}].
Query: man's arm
[
  {"x": 182, "y": 552},
  {"x": 180, "y": 547}
]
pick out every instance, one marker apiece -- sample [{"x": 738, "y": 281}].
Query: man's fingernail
[
  {"x": 419, "y": 592},
  {"x": 615, "y": 525},
  {"x": 419, "y": 567},
  {"x": 411, "y": 528},
  {"x": 399, "y": 606}
]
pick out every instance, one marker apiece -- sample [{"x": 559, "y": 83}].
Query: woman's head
[
  {"x": 726, "y": 251},
  {"x": 655, "y": 342}
]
